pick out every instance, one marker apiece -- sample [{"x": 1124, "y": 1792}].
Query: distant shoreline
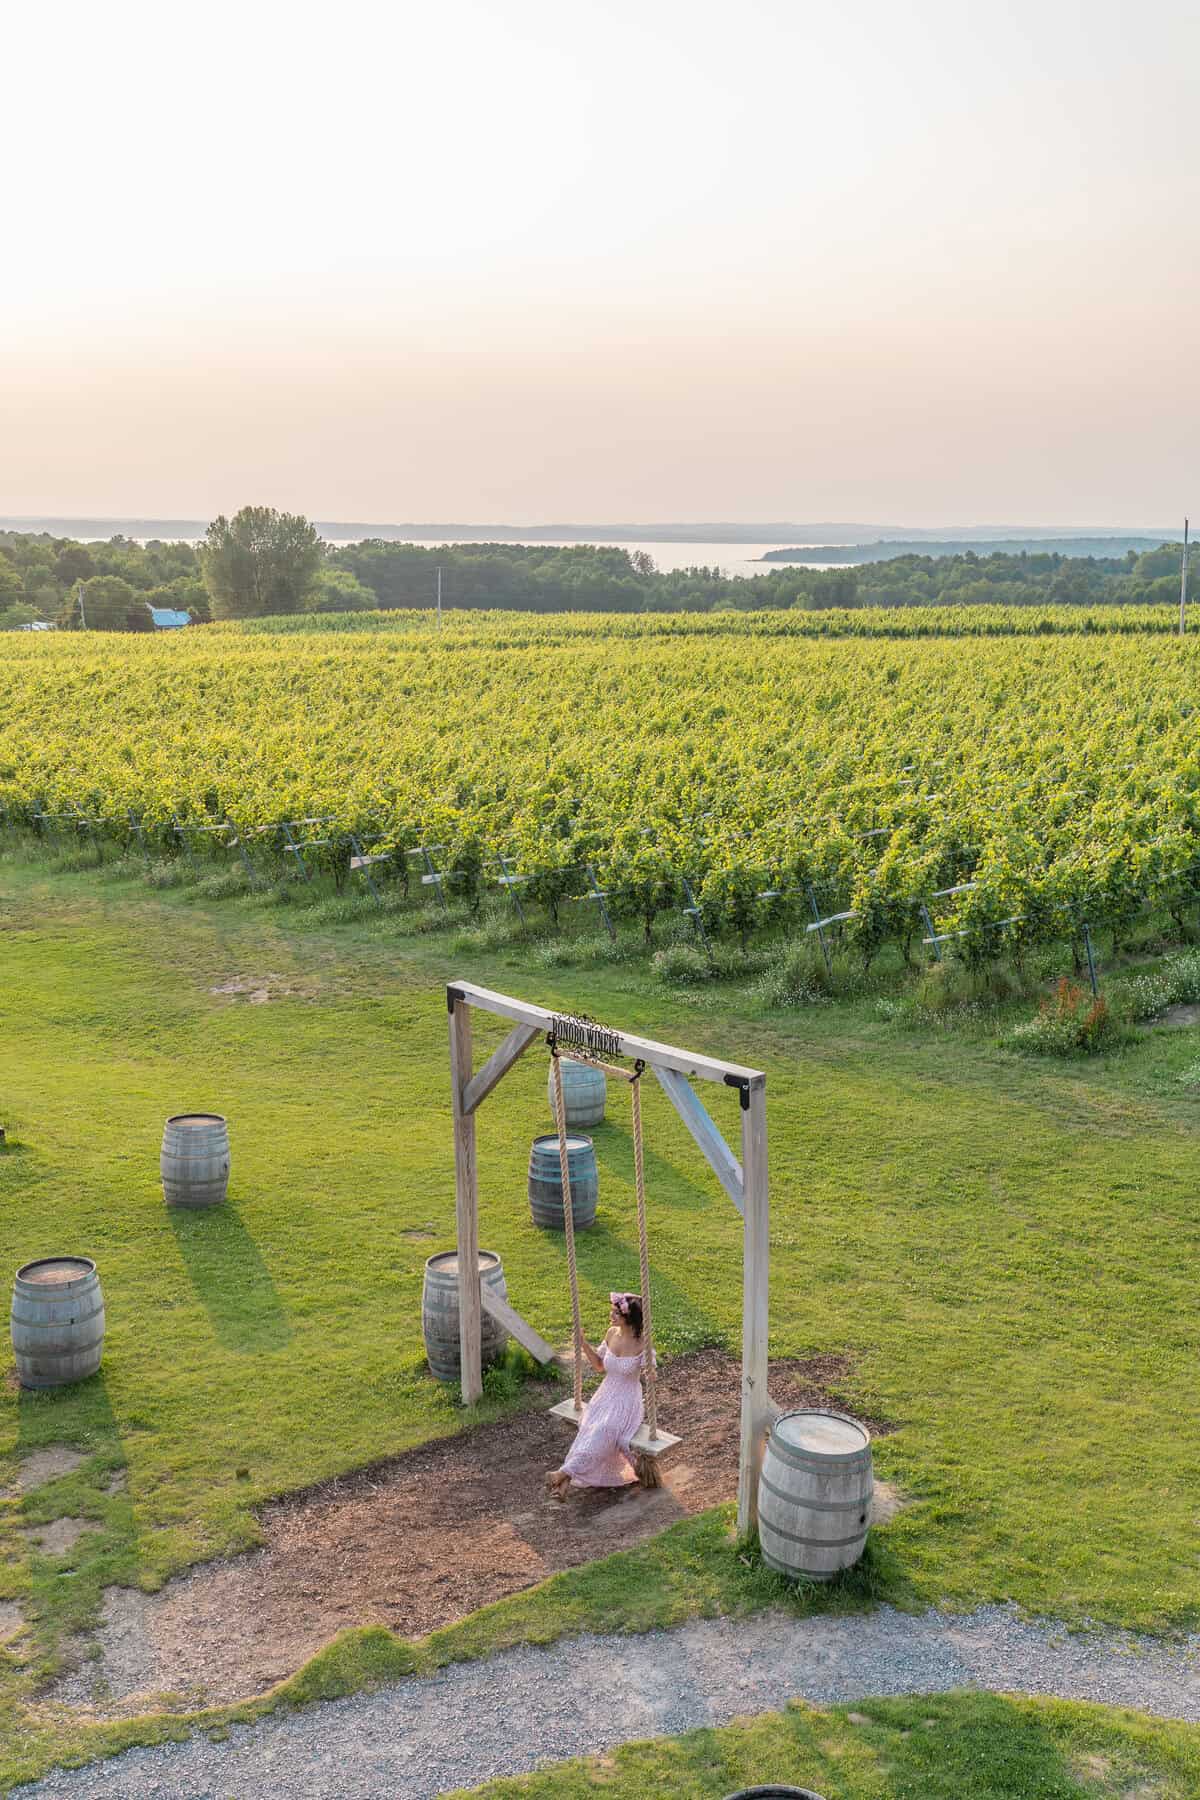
[
  {"x": 842, "y": 541},
  {"x": 885, "y": 549}
]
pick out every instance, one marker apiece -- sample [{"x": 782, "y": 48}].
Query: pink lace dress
[{"x": 599, "y": 1456}]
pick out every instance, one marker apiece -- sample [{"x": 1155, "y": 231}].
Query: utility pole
[
  {"x": 439, "y": 573},
  {"x": 83, "y": 615},
  {"x": 1183, "y": 581}
]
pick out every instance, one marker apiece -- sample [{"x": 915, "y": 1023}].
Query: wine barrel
[
  {"x": 583, "y": 1093},
  {"x": 195, "y": 1159},
  {"x": 774, "y": 1793},
  {"x": 439, "y": 1313},
  {"x": 814, "y": 1497},
  {"x": 57, "y": 1321},
  {"x": 545, "y": 1182}
]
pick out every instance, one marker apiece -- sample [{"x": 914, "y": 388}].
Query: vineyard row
[{"x": 964, "y": 918}]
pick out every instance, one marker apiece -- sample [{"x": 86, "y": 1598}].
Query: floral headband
[{"x": 622, "y": 1302}]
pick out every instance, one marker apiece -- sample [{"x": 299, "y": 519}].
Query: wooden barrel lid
[
  {"x": 823, "y": 1434},
  {"x": 56, "y": 1271},
  {"x": 446, "y": 1262},
  {"x": 574, "y": 1142},
  {"x": 191, "y": 1121},
  {"x": 774, "y": 1793}
]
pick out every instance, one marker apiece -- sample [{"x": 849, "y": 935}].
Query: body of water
[{"x": 731, "y": 559}]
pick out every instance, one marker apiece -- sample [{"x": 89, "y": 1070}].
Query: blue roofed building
[{"x": 166, "y": 618}]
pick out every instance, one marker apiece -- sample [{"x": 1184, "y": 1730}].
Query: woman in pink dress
[{"x": 599, "y": 1457}]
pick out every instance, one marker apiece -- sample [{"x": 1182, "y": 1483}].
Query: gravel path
[{"x": 508, "y": 1715}]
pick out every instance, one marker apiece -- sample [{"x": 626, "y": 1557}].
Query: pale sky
[{"x": 521, "y": 260}]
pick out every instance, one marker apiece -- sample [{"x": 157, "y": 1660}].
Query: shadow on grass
[
  {"x": 79, "y": 1415},
  {"x": 611, "y": 1262},
  {"x": 66, "y": 1587},
  {"x": 665, "y": 1185},
  {"x": 230, "y": 1278}
]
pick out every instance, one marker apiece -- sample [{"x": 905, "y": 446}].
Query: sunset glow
[{"x": 928, "y": 265}]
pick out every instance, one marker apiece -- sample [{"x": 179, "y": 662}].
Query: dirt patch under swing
[{"x": 416, "y": 1543}]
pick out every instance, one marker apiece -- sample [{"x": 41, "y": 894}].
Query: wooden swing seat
[{"x": 641, "y": 1440}]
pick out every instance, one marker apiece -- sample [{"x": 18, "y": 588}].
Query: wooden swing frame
[{"x": 745, "y": 1182}]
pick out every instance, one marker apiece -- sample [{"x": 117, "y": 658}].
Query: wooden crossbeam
[
  {"x": 716, "y": 1152},
  {"x": 515, "y": 1325},
  {"x": 498, "y": 1064},
  {"x": 655, "y": 1055}
]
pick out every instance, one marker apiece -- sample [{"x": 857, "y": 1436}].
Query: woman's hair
[{"x": 630, "y": 1308}]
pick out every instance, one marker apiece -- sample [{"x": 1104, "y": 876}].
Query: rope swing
[
  {"x": 647, "y": 1466},
  {"x": 560, "y": 1120}
]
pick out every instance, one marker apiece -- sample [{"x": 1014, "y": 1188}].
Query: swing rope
[
  {"x": 634, "y": 1078},
  {"x": 649, "y": 1372},
  {"x": 560, "y": 1119}
]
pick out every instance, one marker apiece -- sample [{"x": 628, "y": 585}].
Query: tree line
[{"x": 266, "y": 563}]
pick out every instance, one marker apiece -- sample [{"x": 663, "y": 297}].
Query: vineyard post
[
  {"x": 816, "y": 913},
  {"x": 135, "y": 825},
  {"x": 692, "y": 911},
  {"x": 294, "y": 849},
  {"x": 431, "y": 878},
  {"x": 598, "y": 894},
  {"x": 181, "y": 834},
  {"x": 237, "y": 844},
  {"x": 1091, "y": 962},
  {"x": 510, "y": 881},
  {"x": 87, "y": 823},
  {"x": 931, "y": 937},
  {"x": 360, "y": 865}
]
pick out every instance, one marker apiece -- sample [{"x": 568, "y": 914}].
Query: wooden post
[
  {"x": 465, "y": 1202},
  {"x": 756, "y": 1401}
]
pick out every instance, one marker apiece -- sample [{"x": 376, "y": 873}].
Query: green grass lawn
[
  {"x": 1005, "y": 1247},
  {"x": 944, "y": 1747}
]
